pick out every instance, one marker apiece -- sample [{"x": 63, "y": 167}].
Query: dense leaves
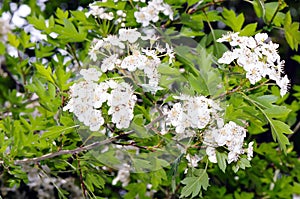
[{"x": 156, "y": 110}]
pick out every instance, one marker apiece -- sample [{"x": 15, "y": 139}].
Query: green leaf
[
  {"x": 288, "y": 19},
  {"x": 221, "y": 159},
  {"x": 249, "y": 29},
  {"x": 13, "y": 40},
  {"x": 62, "y": 77},
  {"x": 68, "y": 32},
  {"x": 157, "y": 177},
  {"x": 233, "y": 21},
  {"x": 259, "y": 7},
  {"x": 277, "y": 112},
  {"x": 198, "y": 84},
  {"x": 188, "y": 32},
  {"x": 2, "y": 48},
  {"x": 194, "y": 184},
  {"x": 38, "y": 22},
  {"x": 94, "y": 181},
  {"x": 56, "y": 131},
  {"x": 296, "y": 58},
  {"x": 278, "y": 129},
  {"x": 110, "y": 4},
  {"x": 61, "y": 14},
  {"x": 45, "y": 72},
  {"x": 242, "y": 163},
  {"x": 292, "y": 35}
]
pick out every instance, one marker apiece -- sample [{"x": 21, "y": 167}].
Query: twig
[
  {"x": 194, "y": 8},
  {"x": 275, "y": 13},
  {"x": 81, "y": 178},
  {"x": 297, "y": 127},
  {"x": 73, "y": 53},
  {"x": 19, "y": 86},
  {"x": 72, "y": 151}
]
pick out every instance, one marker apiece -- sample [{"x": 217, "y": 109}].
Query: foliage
[{"x": 151, "y": 110}]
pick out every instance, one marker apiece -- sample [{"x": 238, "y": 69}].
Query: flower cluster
[
  {"x": 193, "y": 112},
  {"x": 111, "y": 52},
  {"x": 151, "y": 12},
  {"x": 102, "y": 13},
  {"x": 4, "y": 27},
  {"x": 231, "y": 136},
  {"x": 258, "y": 57},
  {"x": 204, "y": 114},
  {"x": 88, "y": 96},
  {"x": 121, "y": 101}
]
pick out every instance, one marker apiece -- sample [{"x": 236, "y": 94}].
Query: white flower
[
  {"x": 133, "y": 62},
  {"x": 170, "y": 53},
  {"x": 152, "y": 12},
  {"x": 95, "y": 120},
  {"x": 232, "y": 157},
  {"x": 167, "y": 10},
  {"x": 254, "y": 73},
  {"x": 95, "y": 10},
  {"x": 211, "y": 153},
  {"x": 100, "y": 95},
  {"x": 123, "y": 176},
  {"x": 110, "y": 62},
  {"x": 142, "y": 17},
  {"x": 94, "y": 48},
  {"x": 261, "y": 37},
  {"x": 115, "y": 41},
  {"x": 284, "y": 85},
  {"x": 5, "y": 27},
  {"x": 91, "y": 74},
  {"x": 130, "y": 35},
  {"x": 193, "y": 160},
  {"x": 250, "y": 150},
  {"x": 19, "y": 15},
  {"x": 230, "y": 36},
  {"x": 121, "y": 116},
  {"x": 228, "y": 57}
]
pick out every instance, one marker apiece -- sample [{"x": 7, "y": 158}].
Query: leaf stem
[{"x": 275, "y": 13}]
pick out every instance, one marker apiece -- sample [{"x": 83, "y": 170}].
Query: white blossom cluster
[
  {"x": 192, "y": 112},
  {"x": 258, "y": 57},
  {"x": 110, "y": 51},
  {"x": 10, "y": 21},
  {"x": 151, "y": 12},
  {"x": 201, "y": 113},
  {"x": 5, "y": 27},
  {"x": 231, "y": 136},
  {"x": 103, "y": 13},
  {"x": 87, "y": 97}
]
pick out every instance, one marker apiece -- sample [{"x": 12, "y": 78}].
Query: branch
[
  {"x": 72, "y": 151},
  {"x": 19, "y": 86}
]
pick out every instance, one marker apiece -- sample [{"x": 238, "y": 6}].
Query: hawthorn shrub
[{"x": 148, "y": 99}]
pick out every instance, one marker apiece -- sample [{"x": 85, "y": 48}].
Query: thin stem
[
  {"x": 73, "y": 53},
  {"x": 212, "y": 31},
  {"x": 81, "y": 178},
  {"x": 192, "y": 9},
  {"x": 275, "y": 13},
  {"x": 256, "y": 87},
  {"x": 297, "y": 127}
]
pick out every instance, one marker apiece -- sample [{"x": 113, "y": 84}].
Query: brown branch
[
  {"x": 72, "y": 151},
  {"x": 195, "y": 7}
]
